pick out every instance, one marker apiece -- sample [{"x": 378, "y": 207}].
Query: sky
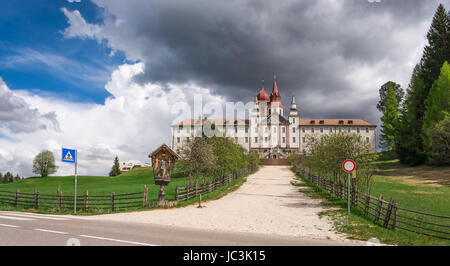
[{"x": 104, "y": 76}]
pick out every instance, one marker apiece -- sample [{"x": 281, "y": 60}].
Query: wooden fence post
[
  {"x": 366, "y": 207},
  {"x": 394, "y": 222},
  {"x": 388, "y": 214},
  {"x": 36, "y": 199},
  {"x": 17, "y": 198},
  {"x": 144, "y": 203},
  {"x": 112, "y": 201},
  {"x": 378, "y": 210},
  {"x": 59, "y": 199},
  {"x": 196, "y": 188},
  {"x": 176, "y": 193},
  {"x": 86, "y": 199},
  {"x": 187, "y": 192}
]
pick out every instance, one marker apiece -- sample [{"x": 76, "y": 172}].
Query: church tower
[
  {"x": 294, "y": 139},
  {"x": 275, "y": 99}
]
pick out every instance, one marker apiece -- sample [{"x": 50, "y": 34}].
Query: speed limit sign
[{"x": 349, "y": 166}]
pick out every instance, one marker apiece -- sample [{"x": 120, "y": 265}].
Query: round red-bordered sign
[{"x": 349, "y": 166}]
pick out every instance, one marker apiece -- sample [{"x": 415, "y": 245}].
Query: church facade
[{"x": 268, "y": 131}]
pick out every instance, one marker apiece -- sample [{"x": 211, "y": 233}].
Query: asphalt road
[{"x": 27, "y": 229}]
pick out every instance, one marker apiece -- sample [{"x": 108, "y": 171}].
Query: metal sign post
[
  {"x": 70, "y": 156},
  {"x": 349, "y": 166}
]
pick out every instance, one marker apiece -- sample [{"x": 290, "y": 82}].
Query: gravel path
[{"x": 267, "y": 203}]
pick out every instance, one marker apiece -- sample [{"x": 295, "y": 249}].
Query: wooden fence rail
[
  {"x": 85, "y": 202},
  {"x": 386, "y": 213},
  {"x": 194, "y": 190}
]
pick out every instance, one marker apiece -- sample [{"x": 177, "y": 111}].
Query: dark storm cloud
[{"x": 312, "y": 46}]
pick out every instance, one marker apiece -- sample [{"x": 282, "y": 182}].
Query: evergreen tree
[
  {"x": 409, "y": 139},
  {"x": 115, "y": 170},
  {"x": 440, "y": 142},
  {"x": 8, "y": 177},
  {"x": 399, "y": 94},
  {"x": 438, "y": 49},
  {"x": 17, "y": 178},
  {"x": 390, "y": 120},
  {"x": 1, "y": 178},
  {"x": 437, "y": 103}
]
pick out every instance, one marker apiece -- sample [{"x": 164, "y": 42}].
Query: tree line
[
  {"x": 207, "y": 157},
  {"x": 9, "y": 178},
  {"x": 416, "y": 124}
]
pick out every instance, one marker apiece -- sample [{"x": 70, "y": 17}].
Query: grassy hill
[{"x": 132, "y": 181}]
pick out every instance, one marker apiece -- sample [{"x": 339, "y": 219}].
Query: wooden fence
[
  {"x": 386, "y": 213},
  {"x": 85, "y": 202},
  {"x": 194, "y": 190}
]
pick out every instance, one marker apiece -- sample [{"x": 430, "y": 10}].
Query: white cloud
[
  {"x": 16, "y": 115},
  {"x": 130, "y": 124},
  {"x": 74, "y": 1},
  {"x": 78, "y": 25}
]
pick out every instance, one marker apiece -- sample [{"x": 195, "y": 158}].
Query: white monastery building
[{"x": 268, "y": 131}]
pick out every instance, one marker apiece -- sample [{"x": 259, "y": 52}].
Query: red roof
[
  {"x": 275, "y": 95},
  {"x": 262, "y": 95}
]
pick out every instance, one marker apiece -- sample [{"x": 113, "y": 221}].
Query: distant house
[{"x": 125, "y": 167}]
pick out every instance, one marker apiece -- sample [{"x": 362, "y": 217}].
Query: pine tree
[
  {"x": 115, "y": 170},
  {"x": 438, "y": 49},
  {"x": 390, "y": 120},
  {"x": 437, "y": 103},
  {"x": 409, "y": 142},
  {"x": 1, "y": 178}
]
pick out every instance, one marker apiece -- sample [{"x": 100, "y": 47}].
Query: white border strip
[
  {"x": 51, "y": 231},
  {"x": 117, "y": 240}
]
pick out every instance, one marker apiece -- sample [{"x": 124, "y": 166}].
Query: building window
[
  {"x": 293, "y": 130},
  {"x": 235, "y": 130},
  {"x": 293, "y": 120},
  {"x": 303, "y": 129},
  {"x": 293, "y": 140},
  {"x": 321, "y": 130},
  {"x": 331, "y": 130},
  {"x": 350, "y": 122},
  {"x": 367, "y": 130},
  {"x": 265, "y": 139},
  {"x": 283, "y": 129},
  {"x": 256, "y": 130},
  {"x": 312, "y": 130},
  {"x": 256, "y": 139},
  {"x": 178, "y": 139},
  {"x": 367, "y": 139},
  {"x": 187, "y": 139},
  {"x": 321, "y": 122},
  {"x": 357, "y": 129},
  {"x": 246, "y": 130},
  {"x": 284, "y": 140},
  {"x": 340, "y": 130},
  {"x": 246, "y": 139},
  {"x": 349, "y": 130},
  {"x": 303, "y": 139}
]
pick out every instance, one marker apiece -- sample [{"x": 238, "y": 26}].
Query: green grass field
[
  {"x": 421, "y": 188},
  {"x": 132, "y": 181}
]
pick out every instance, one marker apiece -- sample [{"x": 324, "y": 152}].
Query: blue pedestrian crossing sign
[{"x": 69, "y": 156}]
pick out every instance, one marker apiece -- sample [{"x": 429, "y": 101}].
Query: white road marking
[
  {"x": 15, "y": 218},
  {"x": 51, "y": 231},
  {"x": 36, "y": 216},
  {"x": 9, "y": 225},
  {"x": 117, "y": 240}
]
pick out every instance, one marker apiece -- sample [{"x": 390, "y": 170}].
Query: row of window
[{"x": 358, "y": 130}]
